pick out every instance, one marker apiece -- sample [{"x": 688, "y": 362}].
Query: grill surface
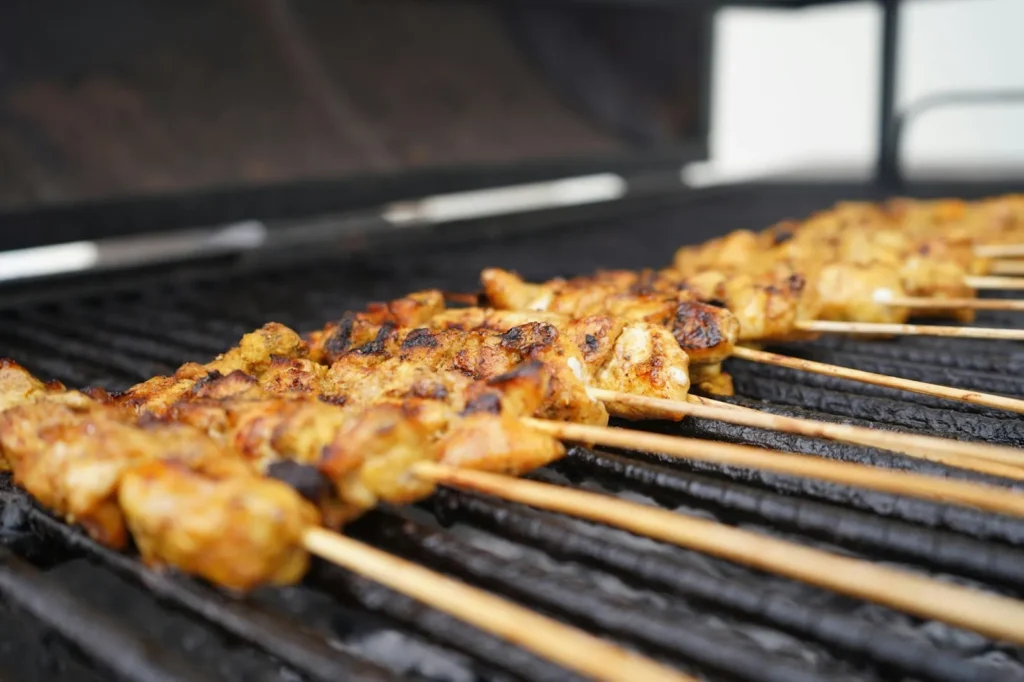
[{"x": 74, "y": 610}]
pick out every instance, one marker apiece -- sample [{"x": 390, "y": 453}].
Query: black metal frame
[{"x": 893, "y": 121}]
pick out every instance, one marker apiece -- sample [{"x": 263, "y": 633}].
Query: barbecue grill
[{"x": 306, "y": 252}]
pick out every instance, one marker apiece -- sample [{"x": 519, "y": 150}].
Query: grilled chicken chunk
[
  {"x": 358, "y": 329},
  {"x": 633, "y": 357},
  {"x": 187, "y": 501},
  {"x": 480, "y": 354},
  {"x": 205, "y": 518},
  {"x": 705, "y": 332},
  {"x": 253, "y": 354},
  {"x": 364, "y": 425},
  {"x": 927, "y": 244}
]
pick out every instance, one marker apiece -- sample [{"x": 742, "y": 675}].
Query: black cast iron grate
[{"x": 95, "y": 614}]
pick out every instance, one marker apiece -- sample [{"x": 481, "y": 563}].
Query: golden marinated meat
[
  {"x": 766, "y": 306},
  {"x": 369, "y": 458},
  {"x": 72, "y": 459},
  {"x": 362, "y": 434},
  {"x": 18, "y": 386},
  {"x": 236, "y": 530},
  {"x": 857, "y": 293},
  {"x": 196, "y": 500},
  {"x": 358, "y": 329},
  {"x": 705, "y": 332},
  {"x": 478, "y": 354},
  {"x": 928, "y": 244},
  {"x": 634, "y": 357},
  {"x": 497, "y": 443},
  {"x": 253, "y": 354}
]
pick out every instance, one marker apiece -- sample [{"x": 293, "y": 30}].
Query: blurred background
[
  {"x": 117, "y": 98},
  {"x": 800, "y": 88}
]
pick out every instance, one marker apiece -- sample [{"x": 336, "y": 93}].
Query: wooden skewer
[
  {"x": 990, "y": 459},
  {"x": 980, "y": 282},
  {"x": 999, "y": 251},
  {"x": 1007, "y": 267},
  {"x": 881, "y": 329},
  {"x": 982, "y": 496},
  {"x": 923, "y": 302},
  {"x": 984, "y": 399},
  {"x": 562, "y": 644},
  {"x": 989, "y": 614}
]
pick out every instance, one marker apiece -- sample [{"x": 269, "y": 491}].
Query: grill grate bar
[
  {"x": 496, "y": 654},
  {"x": 990, "y": 382},
  {"x": 674, "y": 486},
  {"x": 127, "y": 655},
  {"x": 130, "y": 347},
  {"x": 59, "y": 346},
  {"x": 988, "y": 361},
  {"x": 283, "y": 640},
  {"x": 570, "y": 541},
  {"x": 826, "y": 396},
  {"x": 656, "y": 627}
]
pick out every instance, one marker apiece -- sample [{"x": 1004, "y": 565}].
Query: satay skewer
[
  {"x": 637, "y": 362},
  {"x": 991, "y": 282},
  {"x": 646, "y": 291},
  {"x": 983, "y": 496},
  {"x": 1007, "y": 267},
  {"x": 995, "y": 616},
  {"x": 999, "y": 250},
  {"x": 886, "y": 329},
  {"x": 983, "y": 399},
  {"x": 920, "y": 602},
  {"x": 987, "y": 459},
  {"x": 925, "y": 303},
  {"x": 147, "y": 468}
]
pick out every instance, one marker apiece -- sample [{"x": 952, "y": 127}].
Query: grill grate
[{"x": 707, "y": 616}]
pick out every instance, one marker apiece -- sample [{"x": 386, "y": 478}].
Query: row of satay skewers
[{"x": 234, "y": 470}]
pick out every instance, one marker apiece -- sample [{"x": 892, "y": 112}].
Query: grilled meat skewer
[
  {"x": 96, "y": 465},
  {"x": 100, "y": 465},
  {"x": 202, "y": 507}
]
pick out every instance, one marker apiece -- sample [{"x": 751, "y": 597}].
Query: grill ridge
[
  {"x": 670, "y": 478},
  {"x": 492, "y": 652},
  {"x": 987, "y": 361},
  {"x": 849, "y": 528},
  {"x": 988, "y": 381},
  {"x": 651, "y": 626},
  {"x": 128, "y": 655},
  {"x": 873, "y": 404},
  {"x": 570, "y": 541},
  {"x": 283, "y": 641}
]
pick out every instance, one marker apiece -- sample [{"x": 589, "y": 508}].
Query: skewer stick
[
  {"x": 923, "y": 302},
  {"x": 984, "y": 399},
  {"x": 989, "y": 614},
  {"x": 882, "y": 329},
  {"x": 999, "y": 251},
  {"x": 1007, "y": 267},
  {"x": 980, "y": 495},
  {"x": 980, "y": 282},
  {"x": 565, "y": 645},
  {"x": 966, "y": 455},
  {"x": 990, "y": 459}
]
